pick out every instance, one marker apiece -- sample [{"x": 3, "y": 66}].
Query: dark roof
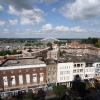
[
  {"x": 50, "y": 61},
  {"x": 90, "y": 58}
]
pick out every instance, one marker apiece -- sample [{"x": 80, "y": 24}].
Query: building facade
[
  {"x": 54, "y": 54},
  {"x": 22, "y": 75}
]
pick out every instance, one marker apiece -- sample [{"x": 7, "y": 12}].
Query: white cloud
[
  {"x": 61, "y": 28},
  {"x": 30, "y": 17},
  {"x": 1, "y": 8},
  {"x": 2, "y": 23},
  {"x": 95, "y": 22},
  {"x": 54, "y": 9},
  {"x": 74, "y": 32},
  {"x": 77, "y": 29},
  {"x": 13, "y": 22},
  {"x": 6, "y": 31},
  {"x": 47, "y": 27},
  {"x": 81, "y": 9}
]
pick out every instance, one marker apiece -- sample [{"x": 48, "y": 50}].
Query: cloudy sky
[{"x": 49, "y": 18}]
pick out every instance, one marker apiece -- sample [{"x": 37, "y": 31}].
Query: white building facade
[
  {"x": 67, "y": 71},
  {"x": 97, "y": 69}
]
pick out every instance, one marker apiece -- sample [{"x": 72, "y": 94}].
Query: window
[
  {"x": 49, "y": 69},
  {"x": 61, "y": 72},
  {"x": 74, "y": 65},
  {"x": 67, "y": 77},
  {"x": 11, "y": 71},
  {"x": 41, "y": 68},
  {"x": 34, "y": 69},
  {"x": 48, "y": 74},
  {"x": 78, "y": 65},
  {"x": 27, "y": 70},
  {"x": 54, "y": 73},
  {"x": 74, "y": 71},
  {"x": 19, "y": 71},
  {"x": 54, "y": 68},
  {"x": 81, "y": 70},
  {"x": 86, "y": 70},
  {"x": 3, "y": 72},
  {"x": 48, "y": 79},
  {"x": 81, "y": 65},
  {"x": 77, "y": 70},
  {"x": 61, "y": 78}
]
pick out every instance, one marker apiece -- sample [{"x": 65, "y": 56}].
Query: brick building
[{"x": 22, "y": 73}]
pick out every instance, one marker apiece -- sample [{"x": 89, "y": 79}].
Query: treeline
[
  {"x": 35, "y": 44},
  {"x": 8, "y": 52},
  {"x": 94, "y": 41},
  {"x": 59, "y": 42}
]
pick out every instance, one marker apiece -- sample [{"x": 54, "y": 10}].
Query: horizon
[{"x": 50, "y": 18}]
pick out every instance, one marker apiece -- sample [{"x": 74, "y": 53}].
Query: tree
[
  {"x": 29, "y": 96},
  {"x": 59, "y": 91},
  {"x": 28, "y": 44},
  {"x": 59, "y": 42},
  {"x": 14, "y": 51},
  {"x": 62, "y": 53},
  {"x": 98, "y": 43},
  {"x": 49, "y": 44},
  {"x": 30, "y": 50}
]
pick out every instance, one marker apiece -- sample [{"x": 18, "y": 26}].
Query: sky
[{"x": 49, "y": 18}]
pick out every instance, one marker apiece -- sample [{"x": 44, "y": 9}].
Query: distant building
[
  {"x": 54, "y": 54},
  {"x": 54, "y": 46}
]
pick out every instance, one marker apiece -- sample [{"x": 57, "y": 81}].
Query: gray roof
[
  {"x": 90, "y": 58},
  {"x": 19, "y": 62}
]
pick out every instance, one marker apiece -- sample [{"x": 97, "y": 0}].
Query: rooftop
[{"x": 20, "y": 62}]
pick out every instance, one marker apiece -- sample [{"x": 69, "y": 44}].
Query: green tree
[
  {"x": 29, "y": 96},
  {"x": 59, "y": 91},
  {"x": 49, "y": 44},
  {"x": 14, "y": 51},
  {"x": 38, "y": 44},
  {"x": 28, "y": 44},
  {"x": 20, "y": 52},
  {"x": 62, "y": 53},
  {"x": 59, "y": 42},
  {"x": 98, "y": 43}
]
